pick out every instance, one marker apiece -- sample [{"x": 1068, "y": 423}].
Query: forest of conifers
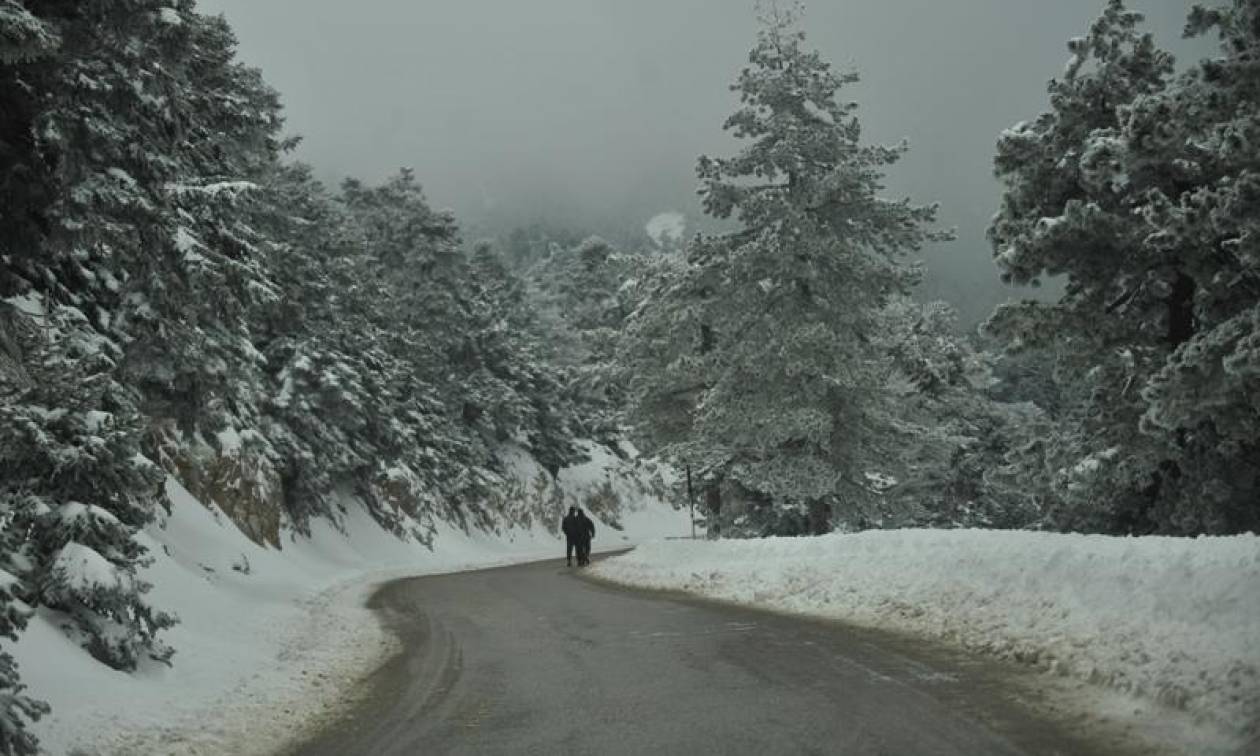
[{"x": 174, "y": 286}]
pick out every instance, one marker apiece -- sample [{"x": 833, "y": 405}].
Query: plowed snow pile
[{"x": 1171, "y": 619}]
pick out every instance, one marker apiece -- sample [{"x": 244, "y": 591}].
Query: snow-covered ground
[
  {"x": 1170, "y": 620},
  {"x": 269, "y": 641}
]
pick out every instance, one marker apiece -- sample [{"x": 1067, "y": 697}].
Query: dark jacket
[
  {"x": 569, "y": 525},
  {"x": 585, "y": 527}
]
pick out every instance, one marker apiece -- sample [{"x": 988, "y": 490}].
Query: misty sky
[{"x": 591, "y": 113}]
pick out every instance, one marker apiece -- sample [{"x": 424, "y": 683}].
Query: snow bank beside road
[
  {"x": 270, "y": 642},
  {"x": 1173, "y": 619}
]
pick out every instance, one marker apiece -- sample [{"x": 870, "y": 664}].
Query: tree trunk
[
  {"x": 706, "y": 339},
  {"x": 819, "y": 517},
  {"x": 713, "y": 502},
  {"x": 1181, "y": 310},
  {"x": 1180, "y": 329}
]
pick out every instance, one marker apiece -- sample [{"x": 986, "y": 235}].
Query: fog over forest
[{"x": 590, "y": 114}]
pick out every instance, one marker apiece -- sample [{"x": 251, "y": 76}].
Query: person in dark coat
[
  {"x": 585, "y": 532},
  {"x": 569, "y": 525}
]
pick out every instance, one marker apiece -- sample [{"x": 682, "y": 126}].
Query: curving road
[{"x": 535, "y": 659}]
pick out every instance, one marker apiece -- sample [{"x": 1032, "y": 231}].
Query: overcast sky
[{"x": 592, "y": 112}]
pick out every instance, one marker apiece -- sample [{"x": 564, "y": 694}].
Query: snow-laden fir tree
[
  {"x": 471, "y": 383},
  {"x": 953, "y": 464},
  {"x": 397, "y": 366},
  {"x": 762, "y": 347},
  {"x": 16, "y": 708},
  {"x": 514, "y": 346},
  {"x": 153, "y": 134},
  {"x": 415, "y": 265},
  {"x": 330, "y": 410},
  {"x": 1142, "y": 189},
  {"x": 23, "y": 38},
  {"x": 583, "y": 298},
  {"x": 74, "y": 487},
  {"x": 142, "y": 135},
  {"x": 145, "y": 140},
  {"x": 345, "y": 410}
]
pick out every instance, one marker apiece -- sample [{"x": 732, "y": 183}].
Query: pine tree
[
  {"x": 149, "y": 135},
  {"x": 16, "y": 709},
  {"x": 951, "y": 470},
  {"x": 584, "y": 300},
  {"x": 23, "y": 201},
  {"x": 320, "y": 340},
  {"x": 73, "y": 482},
  {"x": 1140, "y": 188},
  {"x": 514, "y": 347},
  {"x": 764, "y": 341},
  {"x": 470, "y": 381},
  {"x": 415, "y": 267}
]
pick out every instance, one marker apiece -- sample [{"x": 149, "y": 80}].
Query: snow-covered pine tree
[
  {"x": 763, "y": 344},
  {"x": 201, "y": 366},
  {"x": 23, "y": 38},
  {"x": 329, "y": 411},
  {"x": 493, "y": 356},
  {"x": 384, "y": 336},
  {"x": 16, "y": 708},
  {"x": 73, "y": 483},
  {"x": 514, "y": 348},
  {"x": 582, "y": 296},
  {"x": 147, "y": 134},
  {"x": 418, "y": 275},
  {"x": 1205, "y": 401},
  {"x": 527, "y": 246},
  {"x": 150, "y": 129},
  {"x": 952, "y": 464},
  {"x": 469, "y": 381},
  {"x": 1141, "y": 189}
]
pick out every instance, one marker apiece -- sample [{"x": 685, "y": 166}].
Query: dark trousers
[
  {"x": 569, "y": 546},
  {"x": 584, "y": 551}
]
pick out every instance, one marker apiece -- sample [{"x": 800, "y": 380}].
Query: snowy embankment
[
  {"x": 270, "y": 642},
  {"x": 1171, "y": 619}
]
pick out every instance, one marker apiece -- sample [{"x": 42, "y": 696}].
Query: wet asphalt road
[{"x": 537, "y": 660}]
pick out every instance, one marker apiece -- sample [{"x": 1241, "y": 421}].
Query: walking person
[
  {"x": 569, "y": 525},
  {"x": 585, "y": 532}
]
